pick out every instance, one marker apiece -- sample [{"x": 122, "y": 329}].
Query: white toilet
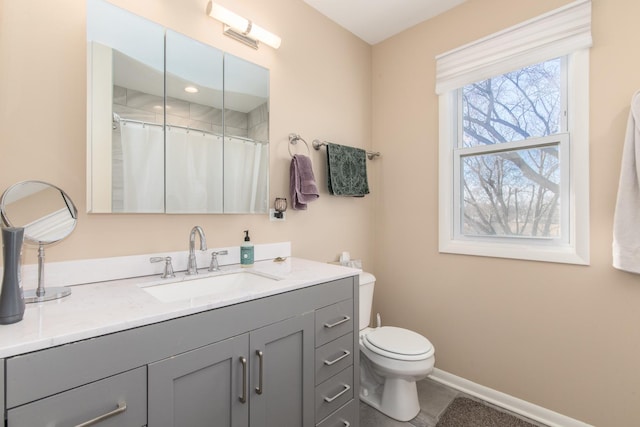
[{"x": 392, "y": 360}]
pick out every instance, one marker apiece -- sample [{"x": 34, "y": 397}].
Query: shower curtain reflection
[
  {"x": 194, "y": 171},
  {"x": 245, "y": 175},
  {"x": 142, "y": 167},
  {"x": 197, "y": 172}
]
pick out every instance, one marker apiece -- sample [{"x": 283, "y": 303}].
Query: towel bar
[
  {"x": 370, "y": 154},
  {"x": 293, "y": 140}
]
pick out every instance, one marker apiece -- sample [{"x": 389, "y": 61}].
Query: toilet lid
[{"x": 398, "y": 343}]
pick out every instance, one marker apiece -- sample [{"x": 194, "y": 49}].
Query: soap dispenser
[{"x": 246, "y": 251}]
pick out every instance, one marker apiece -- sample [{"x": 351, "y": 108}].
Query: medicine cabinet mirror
[{"x": 173, "y": 125}]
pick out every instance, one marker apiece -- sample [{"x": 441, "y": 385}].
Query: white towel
[{"x": 626, "y": 221}]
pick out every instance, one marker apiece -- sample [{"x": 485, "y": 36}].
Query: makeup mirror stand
[
  {"x": 48, "y": 216},
  {"x": 41, "y": 294}
]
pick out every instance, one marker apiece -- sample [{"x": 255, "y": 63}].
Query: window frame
[{"x": 574, "y": 248}]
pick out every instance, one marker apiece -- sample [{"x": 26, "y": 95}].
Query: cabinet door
[
  {"x": 203, "y": 387},
  {"x": 282, "y": 371}
]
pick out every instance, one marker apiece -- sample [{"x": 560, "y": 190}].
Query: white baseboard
[{"x": 510, "y": 403}]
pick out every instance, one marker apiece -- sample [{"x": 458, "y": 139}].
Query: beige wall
[
  {"x": 561, "y": 336},
  {"x": 320, "y": 86},
  {"x": 564, "y": 337}
]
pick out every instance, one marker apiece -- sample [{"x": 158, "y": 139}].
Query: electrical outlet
[{"x": 272, "y": 215}]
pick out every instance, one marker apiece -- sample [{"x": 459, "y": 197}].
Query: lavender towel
[{"x": 302, "y": 182}]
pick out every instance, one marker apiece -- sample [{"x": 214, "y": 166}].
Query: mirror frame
[{"x": 73, "y": 211}]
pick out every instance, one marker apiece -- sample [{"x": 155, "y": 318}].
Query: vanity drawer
[
  {"x": 333, "y": 393},
  {"x": 89, "y": 402},
  {"x": 343, "y": 417},
  {"x": 334, "y": 321},
  {"x": 333, "y": 357}
]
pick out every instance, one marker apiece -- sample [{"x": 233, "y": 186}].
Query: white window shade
[{"x": 547, "y": 36}]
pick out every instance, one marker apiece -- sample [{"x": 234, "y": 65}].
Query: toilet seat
[{"x": 398, "y": 343}]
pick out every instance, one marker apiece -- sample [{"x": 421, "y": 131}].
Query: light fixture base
[
  {"x": 228, "y": 31},
  {"x": 273, "y": 217}
]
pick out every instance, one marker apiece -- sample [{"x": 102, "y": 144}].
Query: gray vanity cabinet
[
  {"x": 286, "y": 360},
  {"x": 262, "y": 379}
]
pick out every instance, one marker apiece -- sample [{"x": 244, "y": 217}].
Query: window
[
  {"x": 508, "y": 155},
  {"x": 514, "y": 141}
]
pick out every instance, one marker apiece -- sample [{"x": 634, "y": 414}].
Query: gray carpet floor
[
  {"x": 467, "y": 412},
  {"x": 435, "y": 400}
]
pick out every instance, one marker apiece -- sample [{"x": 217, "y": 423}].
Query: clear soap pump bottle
[{"x": 246, "y": 251}]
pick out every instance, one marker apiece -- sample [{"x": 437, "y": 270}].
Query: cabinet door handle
[
  {"x": 346, "y": 423},
  {"x": 345, "y": 353},
  {"x": 122, "y": 406},
  {"x": 243, "y": 398},
  {"x": 339, "y": 322},
  {"x": 346, "y": 388},
  {"x": 260, "y": 354}
]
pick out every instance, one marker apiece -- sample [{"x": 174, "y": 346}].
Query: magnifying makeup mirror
[{"x": 47, "y": 215}]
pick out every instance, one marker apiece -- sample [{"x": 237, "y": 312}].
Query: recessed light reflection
[{"x": 191, "y": 89}]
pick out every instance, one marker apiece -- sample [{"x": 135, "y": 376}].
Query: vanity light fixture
[{"x": 241, "y": 29}]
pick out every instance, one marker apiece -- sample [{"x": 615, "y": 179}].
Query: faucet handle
[
  {"x": 214, "y": 260},
  {"x": 168, "y": 267}
]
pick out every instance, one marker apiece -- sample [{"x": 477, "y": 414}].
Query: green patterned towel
[{"x": 347, "y": 170}]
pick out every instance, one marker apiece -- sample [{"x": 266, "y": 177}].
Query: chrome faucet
[{"x": 192, "y": 267}]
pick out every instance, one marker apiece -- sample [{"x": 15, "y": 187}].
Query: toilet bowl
[{"x": 393, "y": 359}]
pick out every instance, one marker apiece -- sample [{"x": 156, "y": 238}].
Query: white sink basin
[{"x": 232, "y": 284}]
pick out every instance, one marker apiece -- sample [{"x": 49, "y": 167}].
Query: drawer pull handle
[
  {"x": 122, "y": 406},
  {"x": 260, "y": 354},
  {"x": 243, "y": 398},
  {"x": 346, "y": 388},
  {"x": 345, "y": 353},
  {"x": 339, "y": 322}
]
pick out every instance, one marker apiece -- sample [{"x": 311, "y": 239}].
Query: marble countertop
[{"x": 101, "y": 308}]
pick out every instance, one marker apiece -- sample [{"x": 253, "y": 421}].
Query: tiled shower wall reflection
[{"x": 135, "y": 105}]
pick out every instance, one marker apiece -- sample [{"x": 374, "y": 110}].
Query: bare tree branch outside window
[{"x": 512, "y": 192}]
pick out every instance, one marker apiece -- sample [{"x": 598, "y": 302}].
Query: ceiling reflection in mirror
[{"x": 185, "y": 132}]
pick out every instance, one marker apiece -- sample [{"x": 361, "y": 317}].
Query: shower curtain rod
[
  {"x": 140, "y": 122},
  {"x": 143, "y": 123}
]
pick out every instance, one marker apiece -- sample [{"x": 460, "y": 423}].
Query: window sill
[{"x": 565, "y": 254}]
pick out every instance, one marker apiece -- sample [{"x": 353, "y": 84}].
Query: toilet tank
[{"x": 367, "y": 283}]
